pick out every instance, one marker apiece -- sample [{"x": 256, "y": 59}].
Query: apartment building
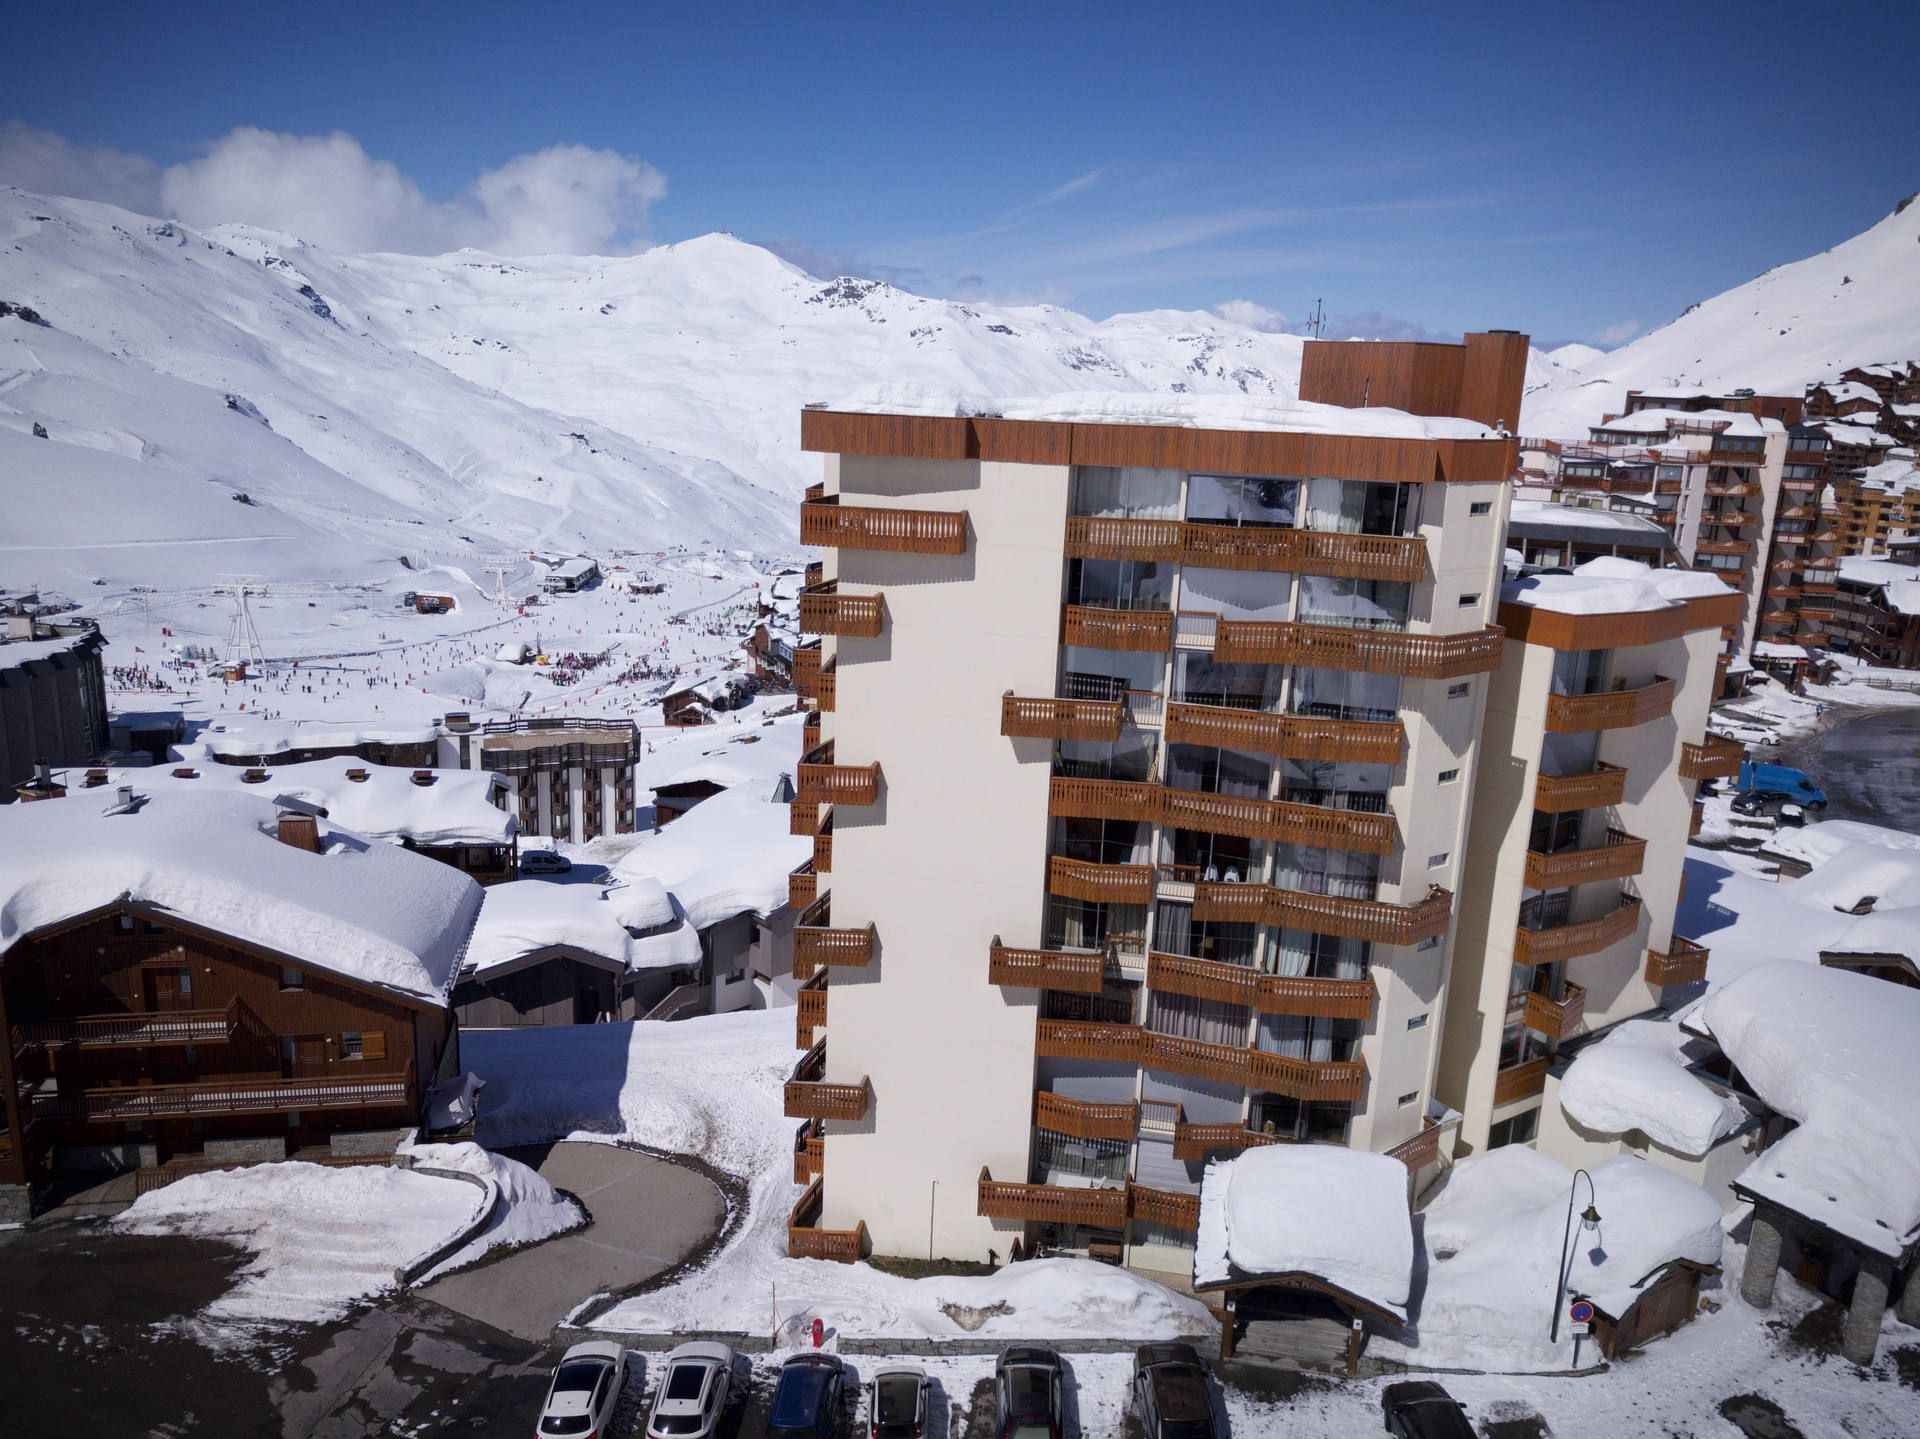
[
  {"x": 1876, "y": 611},
  {"x": 1140, "y": 793},
  {"x": 1874, "y": 508},
  {"x": 570, "y": 778},
  {"x": 1593, "y": 742},
  {"x": 53, "y": 698}
]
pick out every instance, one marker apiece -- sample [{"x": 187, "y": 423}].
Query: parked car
[
  {"x": 1170, "y": 1392},
  {"x": 1421, "y": 1409},
  {"x": 585, "y": 1390},
  {"x": 807, "y": 1398},
  {"x": 1795, "y": 784},
  {"x": 1029, "y": 1394},
  {"x": 694, "y": 1392},
  {"x": 544, "y": 861},
  {"x": 1761, "y": 801},
  {"x": 897, "y": 1402}
]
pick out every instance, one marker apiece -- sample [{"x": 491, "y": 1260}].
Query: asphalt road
[{"x": 1869, "y": 767}]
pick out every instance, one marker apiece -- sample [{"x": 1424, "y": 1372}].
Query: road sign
[{"x": 1580, "y": 1312}]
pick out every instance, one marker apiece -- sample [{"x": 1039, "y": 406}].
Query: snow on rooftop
[
  {"x": 250, "y": 736},
  {"x": 1779, "y": 650},
  {"x": 756, "y": 757},
  {"x": 1208, "y": 412},
  {"x": 1611, "y": 585},
  {"x": 1815, "y": 844},
  {"x": 730, "y": 854},
  {"x": 14, "y": 653},
  {"x": 1637, "y": 1078},
  {"x": 1337, "y": 1214},
  {"x": 1523, "y": 514},
  {"x": 1833, "y": 1050},
  {"x": 528, "y": 916},
  {"x": 1842, "y": 433},
  {"x": 364, "y": 909},
  {"x": 1735, "y": 422}
]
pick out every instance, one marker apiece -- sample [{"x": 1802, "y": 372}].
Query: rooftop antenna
[
  {"x": 1317, "y": 321},
  {"x": 243, "y": 640}
]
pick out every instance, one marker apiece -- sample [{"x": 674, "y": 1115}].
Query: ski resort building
[
  {"x": 563, "y": 577},
  {"x": 570, "y": 778},
  {"x": 53, "y": 698},
  {"x": 1148, "y": 730}
]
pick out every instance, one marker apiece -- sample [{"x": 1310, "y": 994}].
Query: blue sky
[{"x": 1581, "y": 173}]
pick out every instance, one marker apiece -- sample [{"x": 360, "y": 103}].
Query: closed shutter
[{"x": 373, "y": 1044}]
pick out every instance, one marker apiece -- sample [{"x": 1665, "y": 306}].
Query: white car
[
  {"x": 696, "y": 1388},
  {"x": 897, "y": 1403},
  {"x": 544, "y": 861},
  {"x": 585, "y": 1391}
]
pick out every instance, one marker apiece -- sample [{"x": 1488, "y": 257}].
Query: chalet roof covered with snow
[
  {"x": 1541, "y": 520},
  {"x": 1730, "y": 422},
  {"x": 363, "y": 909},
  {"x": 755, "y": 757},
  {"x": 1899, "y": 584},
  {"x": 1318, "y": 1211},
  {"x": 1612, "y": 585},
  {"x": 1639, "y": 1076},
  {"x": 1832, "y": 1050},
  {"x": 631, "y": 925},
  {"x": 730, "y": 854},
  {"x": 15, "y": 653},
  {"x": 242, "y": 737}
]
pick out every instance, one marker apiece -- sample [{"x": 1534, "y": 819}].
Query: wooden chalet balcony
[
  {"x": 1329, "y": 1081},
  {"x": 810, "y": 1012},
  {"x": 1051, "y": 1203},
  {"x": 813, "y": 680},
  {"x": 1377, "y": 920},
  {"x": 1246, "y": 816},
  {"x": 1699, "y": 820},
  {"x": 832, "y": 525},
  {"x": 1614, "y": 709},
  {"x": 1034, "y": 718},
  {"x": 1197, "y": 1141},
  {"x": 1099, "y": 628},
  {"x": 1165, "y": 1207},
  {"x": 818, "y": 945},
  {"x": 133, "y": 1031},
  {"x": 806, "y": 1240},
  {"x": 1730, "y": 490},
  {"x": 1811, "y": 588},
  {"x": 1336, "y": 647},
  {"x": 825, "y": 611},
  {"x": 1103, "y": 799},
  {"x": 1521, "y": 1081},
  {"x": 1715, "y": 758},
  {"x": 823, "y": 846},
  {"x": 1268, "y": 993},
  {"x": 1603, "y": 785},
  {"x": 1100, "y": 883},
  {"x": 1723, "y": 547},
  {"x": 849, "y": 784},
  {"x": 1289, "y": 736},
  {"x": 1750, "y": 458},
  {"x": 1045, "y": 968},
  {"x": 1082, "y": 1119},
  {"x": 1620, "y": 856},
  {"x": 809, "y": 1096},
  {"x": 1585, "y": 936},
  {"x": 1556, "y": 1021},
  {"x": 1077, "y": 1039},
  {"x": 805, "y": 818},
  {"x": 132, "y": 1103},
  {"x": 1420, "y": 1151},
  {"x": 1683, "y": 962},
  {"x": 809, "y": 1152},
  {"x": 803, "y": 884},
  {"x": 1250, "y": 547}
]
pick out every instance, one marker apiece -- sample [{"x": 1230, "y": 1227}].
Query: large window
[
  {"x": 1175, "y": 931},
  {"x": 1360, "y": 507},
  {"x": 1128, "y": 492},
  {"x": 1090, "y": 674},
  {"x": 1298, "y": 1036},
  {"x": 1312, "y": 869},
  {"x": 1344, "y": 695},
  {"x": 1101, "y": 841},
  {"x": 1579, "y": 672},
  {"x": 1202, "y": 855},
  {"x": 1333, "y": 784},
  {"x": 1289, "y": 1118},
  {"x": 1120, "y": 584},
  {"x": 1299, "y": 953},
  {"x": 1058, "y": 1156},
  {"x": 1218, "y": 771},
  {"x": 1128, "y": 758},
  {"x": 1242, "y": 500},
  {"x": 1200, "y": 679},
  {"x": 1355, "y": 604}
]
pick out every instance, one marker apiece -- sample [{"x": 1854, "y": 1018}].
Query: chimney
[
  {"x": 254, "y": 776},
  {"x": 423, "y": 777},
  {"x": 302, "y": 831},
  {"x": 95, "y": 778},
  {"x": 357, "y": 775}
]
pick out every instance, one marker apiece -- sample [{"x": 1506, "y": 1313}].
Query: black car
[
  {"x": 1421, "y": 1409},
  {"x": 1028, "y": 1390},
  {"x": 1761, "y": 801},
  {"x": 807, "y": 1398},
  {"x": 1170, "y": 1392}
]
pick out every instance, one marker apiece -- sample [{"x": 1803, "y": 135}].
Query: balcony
[
  {"x": 1254, "y": 547},
  {"x": 813, "y": 681},
  {"x": 1099, "y": 883},
  {"x": 1520, "y": 1081},
  {"x": 1076, "y": 1039},
  {"x": 1372, "y": 919},
  {"x": 1603, "y": 785},
  {"x": 806, "y": 1240},
  {"x": 1585, "y": 936},
  {"x": 131, "y": 1104},
  {"x": 1165, "y": 1207},
  {"x": 1714, "y": 758},
  {"x": 805, "y": 818},
  {"x": 830, "y": 524},
  {"x": 133, "y": 1031},
  {"x": 1051, "y": 1203},
  {"x": 1736, "y": 457},
  {"x": 1082, "y": 1119},
  {"x": 817, "y": 945},
  {"x": 1615, "y": 709},
  {"x": 809, "y": 1152},
  {"x": 1197, "y": 1141},
  {"x": 810, "y": 1012},
  {"x": 1247, "y": 816},
  {"x": 1556, "y": 1021},
  {"x": 1077, "y": 971},
  {"x": 848, "y": 784},
  {"x": 1132, "y": 631},
  {"x": 825, "y": 611},
  {"x": 1683, "y": 962},
  {"x": 823, "y": 845},
  {"x": 1723, "y": 547},
  {"x": 1731, "y": 489},
  {"x": 1420, "y": 1151},
  {"x": 1104, "y": 799},
  {"x": 809, "y": 1096},
  {"x": 1060, "y": 719},
  {"x": 1621, "y": 856},
  {"x": 1268, "y": 993},
  {"x": 803, "y": 884},
  {"x": 1336, "y": 647},
  {"x": 1332, "y": 1081},
  {"x": 1289, "y": 736}
]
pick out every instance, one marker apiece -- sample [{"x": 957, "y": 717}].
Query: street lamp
[{"x": 1589, "y": 1219}]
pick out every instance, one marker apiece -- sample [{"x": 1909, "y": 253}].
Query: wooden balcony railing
[
  {"x": 1247, "y": 816},
  {"x": 825, "y": 611},
  {"x": 1329, "y": 1081},
  {"x": 1051, "y": 1203},
  {"x": 1044, "y": 968},
  {"x": 1271, "y": 548},
  {"x": 809, "y": 1096},
  {"x": 1103, "y": 799},
  {"x": 1100, "y": 883},
  {"x": 1075, "y": 1039},
  {"x": 823, "y": 847},
  {"x": 133, "y": 1031},
  {"x": 1268, "y": 993},
  {"x": 1556, "y": 1020},
  {"x": 1521, "y": 1081},
  {"x": 1420, "y": 1151},
  {"x": 1034, "y": 718},
  {"x": 1603, "y": 785},
  {"x": 1377, "y": 920},
  {"x": 1289, "y": 736},
  {"x": 806, "y": 1240},
  {"x": 1372, "y": 651},
  {"x": 803, "y": 885},
  {"x": 1197, "y": 1141},
  {"x": 1164, "y": 1207},
  {"x": 830, "y": 524},
  {"x": 1715, "y": 758},
  {"x": 1698, "y": 821},
  {"x": 1141, "y": 631},
  {"x": 816, "y": 569},
  {"x": 1683, "y": 962},
  {"x": 1586, "y": 936},
  {"x": 809, "y": 1152},
  {"x": 805, "y": 818},
  {"x": 849, "y": 784},
  {"x": 1083, "y": 1119},
  {"x": 1615, "y": 709},
  {"x": 817, "y": 947},
  {"x": 810, "y": 1013},
  {"x": 813, "y": 681},
  {"x": 132, "y": 1103},
  {"x": 1723, "y": 547},
  {"x": 1621, "y": 856}
]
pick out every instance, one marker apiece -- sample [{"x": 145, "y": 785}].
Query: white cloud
[
  {"x": 1618, "y": 334},
  {"x": 567, "y": 199},
  {"x": 1253, "y": 315}
]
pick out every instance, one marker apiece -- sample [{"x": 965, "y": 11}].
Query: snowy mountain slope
[{"x": 1855, "y": 304}]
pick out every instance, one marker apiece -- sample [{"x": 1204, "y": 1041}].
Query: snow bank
[
  {"x": 1335, "y": 1213},
  {"x": 1611, "y": 585},
  {"x": 530, "y": 1209},
  {"x": 1833, "y": 1050},
  {"x": 1637, "y": 1077}
]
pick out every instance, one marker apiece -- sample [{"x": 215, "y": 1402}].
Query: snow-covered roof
[
  {"x": 573, "y": 567},
  {"x": 242, "y": 737},
  {"x": 1779, "y": 650},
  {"x": 753, "y": 757},
  {"x": 1833, "y": 1050},
  {"x": 730, "y": 854},
  {"x": 1637, "y": 1077},
  {"x": 1539, "y": 517},
  {"x": 363, "y": 909},
  {"x": 1899, "y": 584},
  {"x": 1815, "y": 844},
  {"x": 1733, "y": 422},
  {"x": 528, "y": 916},
  {"x": 1336, "y": 1214},
  {"x": 457, "y": 808},
  {"x": 1611, "y": 585},
  {"x": 1842, "y": 433},
  {"x": 1208, "y": 412},
  {"x": 15, "y": 653},
  {"x": 1845, "y": 390}
]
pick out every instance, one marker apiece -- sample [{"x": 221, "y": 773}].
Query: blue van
[{"x": 1783, "y": 779}]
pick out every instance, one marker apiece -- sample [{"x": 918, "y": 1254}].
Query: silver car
[
  {"x": 584, "y": 1393},
  {"x": 696, "y": 1387}
]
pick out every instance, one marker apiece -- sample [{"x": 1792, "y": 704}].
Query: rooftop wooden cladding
[
  {"x": 1335, "y": 647},
  {"x": 1480, "y": 379},
  {"x": 1250, "y": 547},
  {"x": 1234, "y": 452},
  {"x": 1553, "y": 629}
]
